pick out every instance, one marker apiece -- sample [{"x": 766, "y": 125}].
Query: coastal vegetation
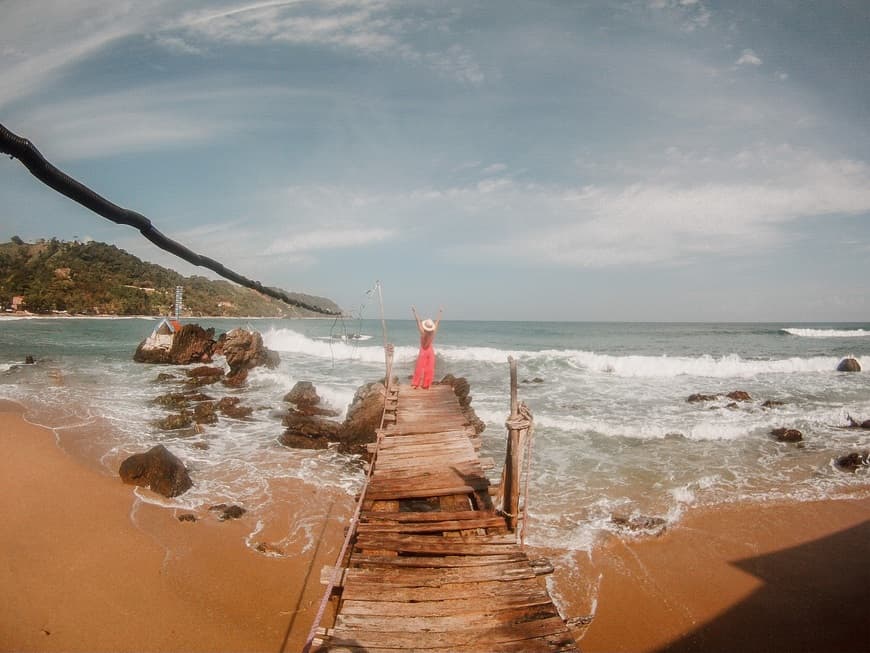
[{"x": 93, "y": 278}]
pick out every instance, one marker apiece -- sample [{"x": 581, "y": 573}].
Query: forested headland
[{"x": 93, "y": 278}]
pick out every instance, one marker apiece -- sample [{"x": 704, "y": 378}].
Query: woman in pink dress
[{"x": 424, "y": 371}]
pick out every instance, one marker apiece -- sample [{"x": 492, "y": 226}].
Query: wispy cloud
[{"x": 748, "y": 57}]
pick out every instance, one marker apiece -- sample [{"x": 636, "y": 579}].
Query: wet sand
[{"x": 86, "y": 566}]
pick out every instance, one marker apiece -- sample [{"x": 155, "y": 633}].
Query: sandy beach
[{"x": 87, "y": 566}]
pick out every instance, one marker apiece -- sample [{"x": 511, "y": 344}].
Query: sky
[{"x": 646, "y": 160}]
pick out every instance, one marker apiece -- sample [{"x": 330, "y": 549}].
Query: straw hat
[{"x": 428, "y": 325}]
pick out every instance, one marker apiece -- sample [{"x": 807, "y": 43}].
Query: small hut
[{"x": 163, "y": 334}]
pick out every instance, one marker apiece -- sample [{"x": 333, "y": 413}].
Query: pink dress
[{"x": 424, "y": 372}]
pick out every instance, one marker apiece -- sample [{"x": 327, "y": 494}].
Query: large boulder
[
  {"x": 304, "y": 397},
  {"x": 243, "y": 351},
  {"x": 157, "y": 469},
  {"x": 849, "y": 364},
  {"x": 363, "y": 418},
  {"x": 191, "y": 344}
]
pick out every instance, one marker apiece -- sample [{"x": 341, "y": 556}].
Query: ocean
[{"x": 614, "y": 433}]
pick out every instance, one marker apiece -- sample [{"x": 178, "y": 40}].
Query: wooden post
[
  {"x": 510, "y": 483},
  {"x": 513, "y": 365}
]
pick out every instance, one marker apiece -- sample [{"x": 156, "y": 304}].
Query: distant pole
[{"x": 179, "y": 291}]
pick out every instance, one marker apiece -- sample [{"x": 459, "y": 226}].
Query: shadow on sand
[{"x": 815, "y": 597}]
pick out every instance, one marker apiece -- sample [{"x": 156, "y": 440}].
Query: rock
[
  {"x": 852, "y": 461},
  {"x": 175, "y": 421},
  {"x": 739, "y": 395},
  {"x": 204, "y": 413},
  {"x": 163, "y": 377},
  {"x": 187, "y": 516},
  {"x": 244, "y": 350},
  {"x": 228, "y": 512},
  {"x": 157, "y": 469},
  {"x": 195, "y": 396},
  {"x": 229, "y": 406},
  {"x": 303, "y": 394},
  {"x": 312, "y": 425},
  {"x": 269, "y": 549},
  {"x": 787, "y": 435},
  {"x": 205, "y": 371},
  {"x": 849, "y": 364},
  {"x": 300, "y": 441},
  {"x": 363, "y": 418},
  {"x": 461, "y": 388},
  {"x": 173, "y": 400},
  {"x": 537, "y": 379},
  {"x": 858, "y": 425},
  {"x": 772, "y": 404},
  {"x": 236, "y": 379},
  {"x": 656, "y": 525},
  {"x": 695, "y": 398},
  {"x": 28, "y": 360},
  {"x": 191, "y": 344}
]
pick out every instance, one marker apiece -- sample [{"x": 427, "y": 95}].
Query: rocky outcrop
[
  {"x": 191, "y": 344},
  {"x": 244, "y": 350},
  {"x": 461, "y": 388},
  {"x": 307, "y": 424},
  {"x": 226, "y": 512},
  {"x": 175, "y": 421},
  {"x": 157, "y": 469},
  {"x": 849, "y": 364},
  {"x": 363, "y": 418}
]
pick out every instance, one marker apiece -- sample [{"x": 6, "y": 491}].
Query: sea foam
[{"x": 827, "y": 333}]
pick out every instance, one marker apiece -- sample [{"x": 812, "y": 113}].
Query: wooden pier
[{"x": 432, "y": 562}]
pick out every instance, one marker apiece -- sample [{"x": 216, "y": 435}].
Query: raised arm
[
  {"x": 417, "y": 317},
  {"x": 438, "y": 319}
]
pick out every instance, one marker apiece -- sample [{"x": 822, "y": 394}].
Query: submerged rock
[
  {"x": 175, "y": 421},
  {"x": 855, "y": 424},
  {"x": 849, "y": 364},
  {"x": 228, "y": 512},
  {"x": 697, "y": 397},
  {"x": 638, "y": 523},
  {"x": 739, "y": 395},
  {"x": 787, "y": 435},
  {"x": 230, "y": 407},
  {"x": 853, "y": 461},
  {"x": 158, "y": 469}
]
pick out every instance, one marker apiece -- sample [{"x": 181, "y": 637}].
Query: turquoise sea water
[{"x": 614, "y": 433}]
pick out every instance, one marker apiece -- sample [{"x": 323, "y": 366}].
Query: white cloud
[
  {"x": 748, "y": 57},
  {"x": 493, "y": 169},
  {"x": 323, "y": 239}
]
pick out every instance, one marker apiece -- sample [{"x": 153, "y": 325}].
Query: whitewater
[{"x": 614, "y": 432}]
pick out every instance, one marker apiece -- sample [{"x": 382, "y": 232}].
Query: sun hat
[{"x": 428, "y": 325}]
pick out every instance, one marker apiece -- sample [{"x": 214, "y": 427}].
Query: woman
[{"x": 424, "y": 371}]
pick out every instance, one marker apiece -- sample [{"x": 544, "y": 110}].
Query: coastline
[
  {"x": 94, "y": 568},
  {"x": 91, "y": 567}
]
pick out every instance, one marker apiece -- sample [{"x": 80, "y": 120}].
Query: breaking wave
[{"x": 827, "y": 333}]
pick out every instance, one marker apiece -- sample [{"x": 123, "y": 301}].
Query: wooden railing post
[{"x": 510, "y": 480}]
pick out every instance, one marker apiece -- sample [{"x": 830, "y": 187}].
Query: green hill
[{"x": 96, "y": 278}]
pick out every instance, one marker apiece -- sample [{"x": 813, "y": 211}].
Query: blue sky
[{"x": 646, "y": 160}]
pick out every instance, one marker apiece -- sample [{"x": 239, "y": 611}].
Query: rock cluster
[
  {"x": 308, "y": 426},
  {"x": 244, "y": 350}
]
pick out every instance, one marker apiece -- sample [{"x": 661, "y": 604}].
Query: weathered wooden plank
[
  {"x": 511, "y": 632},
  {"x": 442, "y": 608},
  {"x": 548, "y": 644},
  {"x": 446, "y": 622},
  {"x": 482, "y": 590},
  {"x": 409, "y": 493},
  {"x": 426, "y": 516},
  {"x": 432, "y": 527},
  {"x": 423, "y": 577},
  {"x": 373, "y": 562}
]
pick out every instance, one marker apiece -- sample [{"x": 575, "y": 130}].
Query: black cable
[{"x": 23, "y": 150}]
